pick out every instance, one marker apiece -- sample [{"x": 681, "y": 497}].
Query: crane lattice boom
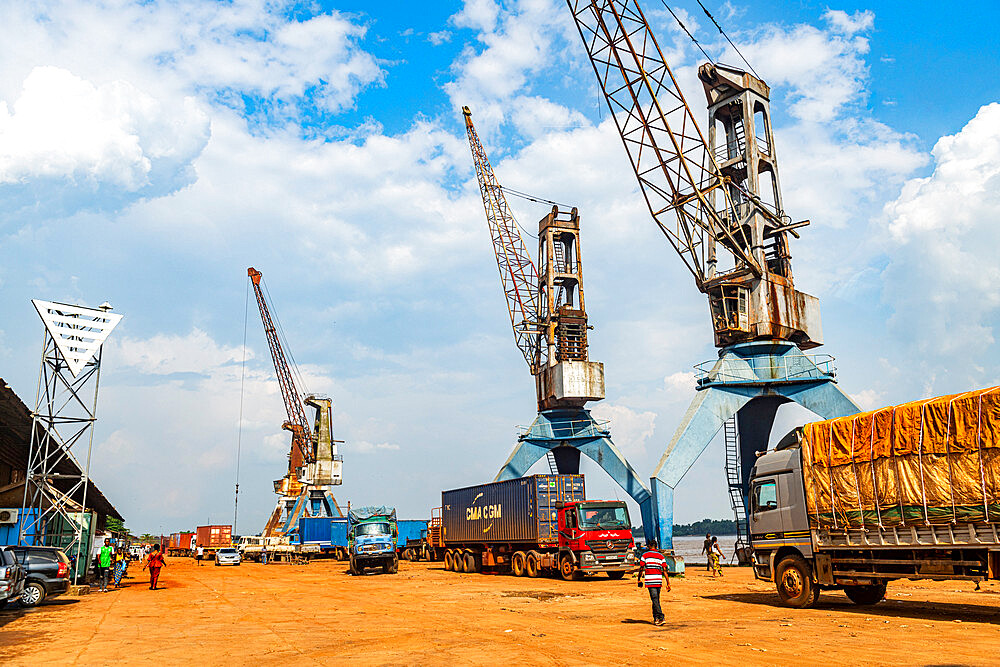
[
  {"x": 518, "y": 274},
  {"x": 672, "y": 161},
  {"x": 298, "y": 423}
]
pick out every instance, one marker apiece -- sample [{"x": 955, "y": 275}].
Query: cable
[
  {"x": 688, "y": 32},
  {"x": 735, "y": 48},
  {"x": 538, "y": 200},
  {"x": 239, "y": 432},
  {"x": 284, "y": 340}
]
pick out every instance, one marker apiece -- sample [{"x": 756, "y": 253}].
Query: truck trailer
[
  {"x": 904, "y": 492},
  {"x": 409, "y": 542},
  {"x": 531, "y": 525},
  {"x": 212, "y": 538},
  {"x": 180, "y": 544}
]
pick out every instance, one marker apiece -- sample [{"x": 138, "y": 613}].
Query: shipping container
[
  {"x": 214, "y": 536},
  {"x": 317, "y": 529},
  {"x": 511, "y": 511},
  {"x": 338, "y": 533},
  {"x": 410, "y": 529}
]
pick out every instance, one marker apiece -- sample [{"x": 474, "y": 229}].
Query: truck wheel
[
  {"x": 532, "y": 565},
  {"x": 517, "y": 564},
  {"x": 568, "y": 570},
  {"x": 616, "y": 575},
  {"x": 865, "y": 595},
  {"x": 352, "y": 568},
  {"x": 792, "y": 578},
  {"x": 470, "y": 563},
  {"x": 448, "y": 563}
]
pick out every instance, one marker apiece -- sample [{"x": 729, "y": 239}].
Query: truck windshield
[
  {"x": 603, "y": 517},
  {"x": 372, "y": 529}
]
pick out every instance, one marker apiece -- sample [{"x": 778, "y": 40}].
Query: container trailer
[
  {"x": 529, "y": 526},
  {"x": 212, "y": 538},
  {"x": 904, "y": 492},
  {"x": 410, "y": 538},
  {"x": 180, "y": 544}
]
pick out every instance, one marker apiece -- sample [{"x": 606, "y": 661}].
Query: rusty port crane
[
  {"x": 718, "y": 203},
  {"x": 314, "y": 465},
  {"x": 549, "y": 319}
]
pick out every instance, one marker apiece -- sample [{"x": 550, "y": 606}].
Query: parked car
[
  {"x": 46, "y": 570},
  {"x": 12, "y": 577},
  {"x": 227, "y": 556}
]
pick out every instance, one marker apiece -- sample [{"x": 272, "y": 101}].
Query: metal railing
[
  {"x": 568, "y": 428},
  {"x": 768, "y": 368}
]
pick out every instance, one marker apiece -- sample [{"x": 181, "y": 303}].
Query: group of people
[
  {"x": 653, "y": 571},
  {"x": 112, "y": 565}
]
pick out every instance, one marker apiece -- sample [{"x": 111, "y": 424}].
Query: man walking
[
  {"x": 263, "y": 554},
  {"x": 652, "y": 571},
  {"x": 201, "y": 554},
  {"x": 707, "y": 550},
  {"x": 104, "y": 564}
]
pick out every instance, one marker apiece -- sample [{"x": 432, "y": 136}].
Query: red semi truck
[
  {"x": 213, "y": 538},
  {"x": 531, "y": 525}
]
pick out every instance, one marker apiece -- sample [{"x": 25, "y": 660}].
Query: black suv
[
  {"x": 47, "y": 569},
  {"x": 11, "y": 577}
]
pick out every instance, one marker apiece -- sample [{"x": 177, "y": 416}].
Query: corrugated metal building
[{"x": 15, "y": 439}]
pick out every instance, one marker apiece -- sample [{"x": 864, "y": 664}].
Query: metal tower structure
[
  {"x": 314, "y": 465},
  {"x": 718, "y": 202},
  {"x": 55, "y": 491},
  {"x": 549, "y": 318}
]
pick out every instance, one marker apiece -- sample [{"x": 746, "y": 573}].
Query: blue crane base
[
  {"x": 568, "y": 432},
  {"x": 750, "y": 380}
]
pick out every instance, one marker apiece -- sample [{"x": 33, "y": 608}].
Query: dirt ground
[{"x": 317, "y": 613}]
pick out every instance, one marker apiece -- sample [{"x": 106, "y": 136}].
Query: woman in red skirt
[{"x": 154, "y": 562}]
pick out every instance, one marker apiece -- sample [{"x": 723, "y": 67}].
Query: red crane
[{"x": 302, "y": 445}]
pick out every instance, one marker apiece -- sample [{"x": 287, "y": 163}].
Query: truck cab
[
  {"x": 595, "y": 536},
  {"x": 371, "y": 541}
]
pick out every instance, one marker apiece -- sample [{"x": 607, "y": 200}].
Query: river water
[{"x": 690, "y": 548}]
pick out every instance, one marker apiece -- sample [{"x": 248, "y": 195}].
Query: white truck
[{"x": 905, "y": 492}]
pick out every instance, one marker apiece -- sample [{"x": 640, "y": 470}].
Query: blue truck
[{"x": 371, "y": 539}]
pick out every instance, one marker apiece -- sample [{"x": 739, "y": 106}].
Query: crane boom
[
  {"x": 676, "y": 170},
  {"x": 302, "y": 450},
  {"x": 518, "y": 273}
]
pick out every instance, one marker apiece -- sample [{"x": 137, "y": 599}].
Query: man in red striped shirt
[{"x": 653, "y": 571}]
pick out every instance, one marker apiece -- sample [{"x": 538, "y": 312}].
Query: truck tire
[
  {"x": 616, "y": 575},
  {"x": 448, "y": 561},
  {"x": 470, "y": 563},
  {"x": 568, "y": 570},
  {"x": 532, "y": 564},
  {"x": 793, "y": 580},
  {"x": 517, "y": 564},
  {"x": 390, "y": 567},
  {"x": 352, "y": 567},
  {"x": 865, "y": 595}
]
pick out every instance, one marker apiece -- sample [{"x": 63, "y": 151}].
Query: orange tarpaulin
[{"x": 928, "y": 461}]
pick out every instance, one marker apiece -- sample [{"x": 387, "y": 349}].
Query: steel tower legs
[
  {"x": 751, "y": 381},
  {"x": 568, "y": 432}
]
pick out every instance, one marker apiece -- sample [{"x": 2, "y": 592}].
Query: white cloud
[
  {"x": 942, "y": 279},
  {"x": 365, "y": 447},
  {"x": 165, "y": 354},
  {"x": 630, "y": 429},
  {"x": 850, "y": 24},
  {"x": 110, "y": 140}
]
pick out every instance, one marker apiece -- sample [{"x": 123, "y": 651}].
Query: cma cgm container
[
  {"x": 532, "y": 524},
  {"x": 212, "y": 538}
]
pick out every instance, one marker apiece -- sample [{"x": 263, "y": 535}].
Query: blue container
[
  {"x": 10, "y": 532},
  {"x": 315, "y": 530},
  {"x": 410, "y": 529},
  {"x": 338, "y": 532}
]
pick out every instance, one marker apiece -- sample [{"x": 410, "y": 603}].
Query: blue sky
[{"x": 151, "y": 152}]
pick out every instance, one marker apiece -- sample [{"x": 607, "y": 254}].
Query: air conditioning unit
[{"x": 8, "y": 517}]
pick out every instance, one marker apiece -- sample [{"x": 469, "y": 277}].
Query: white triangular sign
[{"x": 78, "y": 332}]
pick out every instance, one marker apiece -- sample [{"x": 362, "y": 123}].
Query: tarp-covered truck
[
  {"x": 371, "y": 539},
  {"x": 530, "y": 525},
  {"x": 904, "y": 492}
]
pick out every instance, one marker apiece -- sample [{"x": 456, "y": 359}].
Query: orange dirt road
[{"x": 317, "y": 613}]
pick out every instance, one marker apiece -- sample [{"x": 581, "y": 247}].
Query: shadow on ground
[{"x": 890, "y": 608}]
